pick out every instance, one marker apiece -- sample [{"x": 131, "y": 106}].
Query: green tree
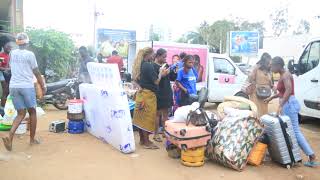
[
  {"x": 255, "y": 26},
  {"x": 280, "y": 22},
  {"x": 218, "y": 33},
  {"x": 54, "y": 51},
  {"x": 303, "y": 28}
]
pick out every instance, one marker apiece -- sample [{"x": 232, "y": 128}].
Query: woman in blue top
[{"x": 187, "y": 80}]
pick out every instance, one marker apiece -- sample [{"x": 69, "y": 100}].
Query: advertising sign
[
  {"x": 177, "y": 48},
  {"x": 113, "y": 39},
  {"x": 244, "y": 43}
]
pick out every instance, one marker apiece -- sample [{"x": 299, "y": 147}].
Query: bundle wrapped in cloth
[
  {"x": 236, "y": 134},
  {"x": 233, "y": 140},
  {"x": 236, "y": 102}
]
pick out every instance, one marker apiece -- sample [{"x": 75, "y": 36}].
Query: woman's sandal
[
  {"x": 311, "y": 164},
  {"x": 151, "y": 146},
  {"x": 35, "y": 142}
]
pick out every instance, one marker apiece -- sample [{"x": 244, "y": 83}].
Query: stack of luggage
[
  {"x": 237, "y": 138},
  {"x": 236, "y": 133},
  {"x": 188, "y": 134},
  {"x": 190, "y": 137}
]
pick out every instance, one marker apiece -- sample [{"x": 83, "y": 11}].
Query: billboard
[
  {"x": 244, "y": 43},
  {"x": 109, "y": 40},
  {"x": 177, "y": 48}
]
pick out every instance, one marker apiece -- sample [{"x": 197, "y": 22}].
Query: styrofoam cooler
[{"x": 108, "y": 116}]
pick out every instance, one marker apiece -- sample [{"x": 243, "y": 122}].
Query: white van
[
  {"x": 307, "y": 81},
  {"x": 224, "y": 78}
]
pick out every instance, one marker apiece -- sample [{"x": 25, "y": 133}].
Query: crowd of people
[
  {"x": 161, "y": 87},
  {"x": 156, "y": 97}
]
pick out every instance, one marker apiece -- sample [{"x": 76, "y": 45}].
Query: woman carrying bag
[{"x": 260, "y": 84}]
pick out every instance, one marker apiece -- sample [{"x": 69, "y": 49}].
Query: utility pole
[{"x": 96, "y": 15}]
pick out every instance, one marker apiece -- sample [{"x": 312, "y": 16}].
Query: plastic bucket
[
  {"x": 75, "y": 106},
  {"x": 22, "y": 128}
]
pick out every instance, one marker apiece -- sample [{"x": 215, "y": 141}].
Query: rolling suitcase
[
  {"x": 283, "y": 146},
  {"x": 187, "y": 136}
]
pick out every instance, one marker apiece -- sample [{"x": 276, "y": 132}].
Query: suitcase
[
  {"x": 283, "y": 146},
  {"x": 186, "y": 137}
]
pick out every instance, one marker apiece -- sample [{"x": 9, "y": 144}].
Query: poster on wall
[
  {"x": 109, "y": 40},
  {"x": 177, "y": 48},
  {"x": 244, "y": 43}
]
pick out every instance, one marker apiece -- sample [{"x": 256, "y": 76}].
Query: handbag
[
  {"x": 263, "y": 92},
  {"x": 197, "y": 118}
]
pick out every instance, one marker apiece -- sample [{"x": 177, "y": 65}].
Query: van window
[
  {"x": 223, "y": 66},
  {"x": 310, "y": 57}
]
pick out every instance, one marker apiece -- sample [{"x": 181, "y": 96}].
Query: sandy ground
[{"x": 83, "y": 157}]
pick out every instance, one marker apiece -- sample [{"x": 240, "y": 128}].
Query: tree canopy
[
  {"x": 216, "y": 34},
  {"x": 54, "y": 51}
]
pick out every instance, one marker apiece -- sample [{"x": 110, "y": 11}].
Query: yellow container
[
  {"x": 193, "y": 157},
  {"x": 196, "y": 164},
  {"x": 257, "y": 154}
]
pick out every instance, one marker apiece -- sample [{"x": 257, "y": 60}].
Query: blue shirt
[
  {"x": 180, "y": 66},
  {"x": 188, "y": 80}
]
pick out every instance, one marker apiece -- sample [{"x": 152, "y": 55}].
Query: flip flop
[
  {"x": 6, "y": 143},
  {"x": 151, "y": 146},
  {"x": 164, "y": 135},
  {"x": 35, "y": 142},
  {"x": 311, "y": 164},
  {"x": 157, "y": 138}
]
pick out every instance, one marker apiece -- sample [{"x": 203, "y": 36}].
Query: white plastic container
[
  {"x": 22, "y": 128},
  {"x": 75, "y": 106}
]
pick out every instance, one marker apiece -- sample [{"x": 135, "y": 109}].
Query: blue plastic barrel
[{"x": 75, "y": 127}]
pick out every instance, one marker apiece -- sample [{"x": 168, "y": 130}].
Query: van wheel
[{"x": 242, "y": 94}]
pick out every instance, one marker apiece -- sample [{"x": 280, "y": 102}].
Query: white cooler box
[{"x": 108, "y": 116}]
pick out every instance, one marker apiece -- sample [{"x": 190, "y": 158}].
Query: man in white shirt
[{"x": 23, "y": 67}]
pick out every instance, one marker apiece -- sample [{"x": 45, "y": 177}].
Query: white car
[{"x": 224, "y": 78}]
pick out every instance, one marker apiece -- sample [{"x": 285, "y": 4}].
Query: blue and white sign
[{"x": 244, "y": 43}]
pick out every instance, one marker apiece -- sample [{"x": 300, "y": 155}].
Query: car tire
[{"x": 242, "y": 94}]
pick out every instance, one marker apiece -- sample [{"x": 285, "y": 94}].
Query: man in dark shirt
[
  {"x": 83, "y": 71},
  {"x": 116, "y": 59}
]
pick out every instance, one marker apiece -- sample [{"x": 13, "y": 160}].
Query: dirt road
[{"x": 83, "y": 157}]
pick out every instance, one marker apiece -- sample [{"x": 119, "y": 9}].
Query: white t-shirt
[{"x": 22, "y": 63}]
